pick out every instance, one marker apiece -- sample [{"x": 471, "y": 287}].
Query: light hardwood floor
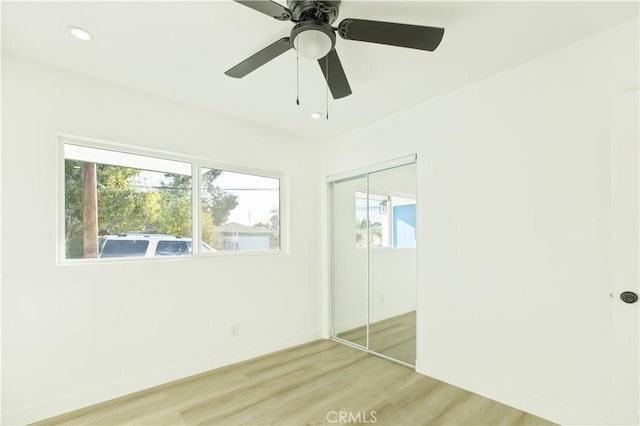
[
  {"x": 394, "y": 337},
  {"x": 302, "y": 386}
]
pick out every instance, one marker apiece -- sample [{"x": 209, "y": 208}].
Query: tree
[
  {"x": 123, "y": 206},
  {"x": 174, "y": 214},
  {"x": 274, "y": 221},
  {"x": 273, "y": 224},
  {"x": 368, "y": 232},
  {"x": 216, "y": 202},
  {"x": 73, "y": 208},
  {"x": 209, "y": 231},
  {"x": 89, "y": 211}
]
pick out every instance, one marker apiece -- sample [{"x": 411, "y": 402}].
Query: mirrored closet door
[
  {"x": 350, "y": 309},
  {"x": 374, "y": 260}
]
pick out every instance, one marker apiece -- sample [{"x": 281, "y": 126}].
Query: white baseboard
[
  {"x": 106, "y": 392},
  {"x": 506, "y": 395}
]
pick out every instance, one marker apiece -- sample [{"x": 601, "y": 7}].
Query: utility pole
[{"x": 89, "y": 210}]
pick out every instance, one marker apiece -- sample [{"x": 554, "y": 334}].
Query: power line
[{"x": 190, "y": 188}]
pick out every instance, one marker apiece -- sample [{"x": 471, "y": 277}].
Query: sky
[{"x": 257, "y": 195}]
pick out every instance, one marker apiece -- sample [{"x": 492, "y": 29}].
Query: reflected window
[{"x": 385, "y": 221}]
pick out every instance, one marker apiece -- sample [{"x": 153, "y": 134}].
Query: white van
[{"x": 147, "y": 245}]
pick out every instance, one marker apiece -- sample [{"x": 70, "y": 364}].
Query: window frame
[{"x": 196, "y": 163}]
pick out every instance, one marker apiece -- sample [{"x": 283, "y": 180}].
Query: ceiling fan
[{"x": 313, "y": 37}]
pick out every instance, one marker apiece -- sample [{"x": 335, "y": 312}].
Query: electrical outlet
[
  {"x": 235, "y": 330},
  {"x": 382, "y": 298}
]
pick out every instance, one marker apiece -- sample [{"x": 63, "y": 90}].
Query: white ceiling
[{"x": 180, "y": 50}]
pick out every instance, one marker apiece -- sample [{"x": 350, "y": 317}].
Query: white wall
[
  {"x": 74, "y": 335},
  {"x": 514, "y": 219}
]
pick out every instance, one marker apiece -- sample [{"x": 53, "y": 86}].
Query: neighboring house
[{"x": 242, "y": 237}]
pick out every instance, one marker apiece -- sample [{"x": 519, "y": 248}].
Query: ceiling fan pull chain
[
  {"x": 297, "y": 74},
  {"x": 326, "y": 67}
]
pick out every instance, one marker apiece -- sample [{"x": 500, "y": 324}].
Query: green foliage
[
  {"x": 174, "y": 214},
  {"x": 121, "y": 206},
  {"x": 216, "y": 202},
  {"x": 209, "y": 230},
  {"x": 73, "y": 208},
  {"x": 125, "y": 206}
]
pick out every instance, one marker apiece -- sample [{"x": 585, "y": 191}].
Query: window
[
  {"x": 119, "y": 204},
  {"x": 239, "y": 211},
  {"x": 173, "y": 248},
  {"x": 385, "y": 221},
  {"x": 124, "y": 248},
  {"x": 110, "y": 193}
]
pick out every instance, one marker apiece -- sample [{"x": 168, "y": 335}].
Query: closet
[{"x": 373, "y": 259}]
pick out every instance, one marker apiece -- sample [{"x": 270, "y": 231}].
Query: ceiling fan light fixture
[
  {"x": 312, "y": 39},
  {"x": 80, "y": 34},
  {"x": 313, "y": 44},
  {"x": 315, "y": 115}
]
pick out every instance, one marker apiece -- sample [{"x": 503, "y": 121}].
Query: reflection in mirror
[
  {"x": 350, "y": 260},
  {"x": 392, "y": 262}
]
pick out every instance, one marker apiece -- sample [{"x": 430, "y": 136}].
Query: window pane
[
  {"x": 240, "y": 211},
  {"x": 108, "y": 193},
  {"x": 173, "y": 248}
]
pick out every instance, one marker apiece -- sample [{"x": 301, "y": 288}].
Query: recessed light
[
  {"x": 316, "y": 115},
  {"x": 80, "y": 34}
]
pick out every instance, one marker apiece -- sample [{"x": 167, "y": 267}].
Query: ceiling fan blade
[
  {"x": 402, "y": 35},
  {"x": 336, "y": 79},
  {"x": 268, "y": 7},
  {"x": 260, "y": 58}
]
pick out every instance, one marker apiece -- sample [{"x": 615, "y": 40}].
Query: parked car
[{"x": 147, "y": 245}]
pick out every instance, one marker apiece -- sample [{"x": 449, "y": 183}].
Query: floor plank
[{"x": 306, "y": 385}]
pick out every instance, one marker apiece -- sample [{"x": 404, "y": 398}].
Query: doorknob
[{"x": 628, "y": 297}]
